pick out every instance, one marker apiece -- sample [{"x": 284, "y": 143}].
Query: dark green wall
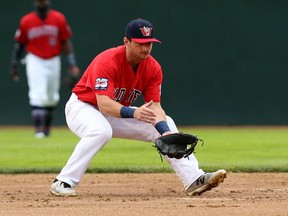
[{"x": 224, "y": 62}]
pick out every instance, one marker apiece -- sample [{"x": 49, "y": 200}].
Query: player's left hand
[
  {"x": 15, "y": 74},
  {"x": 176, "y": 145},
  {"x": 72, "y": 76},
  {"x": 74, "y": 70}
]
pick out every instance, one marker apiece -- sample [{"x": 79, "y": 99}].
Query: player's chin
[{"x": 144, "y": 56}]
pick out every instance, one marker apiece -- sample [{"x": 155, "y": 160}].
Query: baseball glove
[{"x": 176, "y": 145}]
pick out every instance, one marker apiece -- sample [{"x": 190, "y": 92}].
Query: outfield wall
[{"x": 224, "y": 62}]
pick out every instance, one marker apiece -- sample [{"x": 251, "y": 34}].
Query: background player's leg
[
  {"x": 53, "y": 81},
  {"x": 53, "y": 86},
  {"x": 43, "y": 78},
  {"x": 38, "y": 117},
  {"x": 42, "y": 118},
  {"x": 36, "y": 78},
  {"x": 48, "y": 120},
  {"x": 187, "y": 169}
]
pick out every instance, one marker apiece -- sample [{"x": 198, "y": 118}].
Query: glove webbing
[{"x": 187, "y": 155}]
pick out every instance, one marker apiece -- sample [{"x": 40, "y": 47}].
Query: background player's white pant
[
  {"x": 96, "y": 129},
  {"x": 43, "y": 76}
]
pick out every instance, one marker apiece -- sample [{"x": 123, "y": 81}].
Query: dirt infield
[{"x": 146, "y": 194}]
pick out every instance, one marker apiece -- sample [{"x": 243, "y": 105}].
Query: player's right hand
[
  {"x": 144, "y": 113},
  {"x": 14, "y": 74}
]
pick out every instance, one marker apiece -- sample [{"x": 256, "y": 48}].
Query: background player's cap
[{"x": 140, "y": 31}]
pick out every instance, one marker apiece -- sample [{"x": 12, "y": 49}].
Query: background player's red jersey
[
  {"x": 43, "y": 37},
  {"x": 110, "y": 74}
]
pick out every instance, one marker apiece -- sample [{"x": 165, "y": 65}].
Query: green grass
[
  {"x": 245, "y": 149},
  {"x": 236, "y": 149}
]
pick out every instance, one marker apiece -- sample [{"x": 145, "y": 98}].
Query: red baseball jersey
[
  {"x": 110, "y": 74},
  {"x": 43, "y": 37}
]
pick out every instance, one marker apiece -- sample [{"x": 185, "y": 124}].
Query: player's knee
[
  {"x": 107, "y": 133},
  {"x": 101, "y": 135}
]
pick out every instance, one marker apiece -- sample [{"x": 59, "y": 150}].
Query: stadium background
[{"x": 224, "y": 62}]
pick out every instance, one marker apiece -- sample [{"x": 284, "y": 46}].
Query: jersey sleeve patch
[{"x": 101, "y": 84}]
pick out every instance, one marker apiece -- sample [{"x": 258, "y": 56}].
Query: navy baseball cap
[{"x": 140, "y": 31}]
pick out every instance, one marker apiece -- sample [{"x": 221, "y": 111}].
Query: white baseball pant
[
  {"x": 95, "y": 129},
  {"x": 43, "y": 76}
]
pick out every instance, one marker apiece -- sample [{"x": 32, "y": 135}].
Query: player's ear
[{"x": 125, "y": 40}]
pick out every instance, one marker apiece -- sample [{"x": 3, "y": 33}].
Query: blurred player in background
[
  {"x": 45, "y": 34},
  {"x": 99, "y": 109}
]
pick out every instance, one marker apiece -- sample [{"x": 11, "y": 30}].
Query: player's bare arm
[
  {"x": 160, "y": 116},
  {"x": 109, "y": 106},
  {"x": 160, "y": 113}
]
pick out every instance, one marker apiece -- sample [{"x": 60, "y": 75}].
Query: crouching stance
[{"x": 99, "y": 109}]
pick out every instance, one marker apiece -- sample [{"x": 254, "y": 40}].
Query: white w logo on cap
[{"x": 146, "y": 31}]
